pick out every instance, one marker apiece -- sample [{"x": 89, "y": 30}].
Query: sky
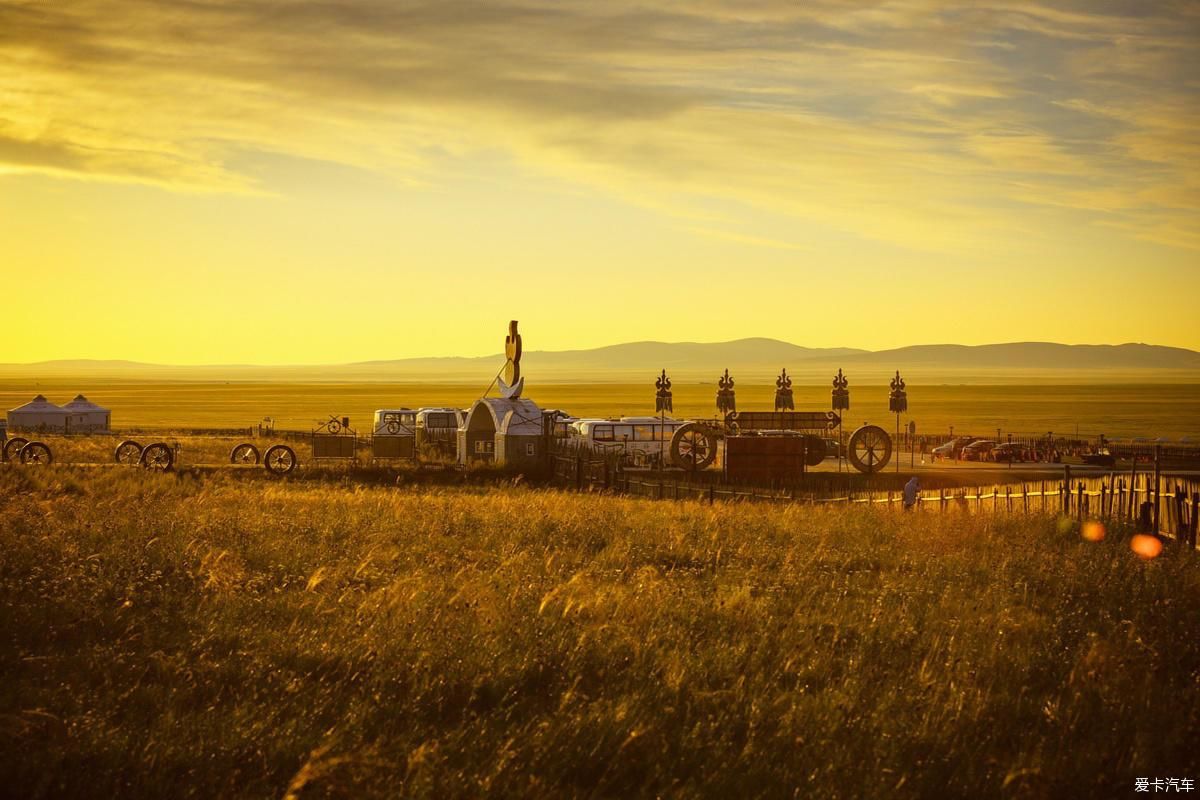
[{"x": 316, "y": 181}]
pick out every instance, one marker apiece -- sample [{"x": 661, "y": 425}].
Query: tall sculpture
[
  {"x": 726, "y": 402},
  {"x": 513, "y": 382},
  {"x": 783, "y": 393}
]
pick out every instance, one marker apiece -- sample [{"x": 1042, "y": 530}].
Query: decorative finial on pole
[
  {"x": 898, "y": 399},
  {"x": 662, "y": 399},
  {"x": 841, "y": 394},
  {"x": 898, "y": 404},
  {"x": 726, "y": 402},
  {"x": 841, "y": 402},
  {"x": 783, "y": 392}
]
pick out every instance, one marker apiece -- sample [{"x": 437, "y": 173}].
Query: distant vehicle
[
  {"x": 978, "y": 450},
  {"x": 561, "y": 422},
  {"x": 1008, "y": 452},
  {"x": 644, "y": 440},
  {"x": 437, "y": 429},
  {"x": 395, "y": 422},
  {"x": 952, "y": 448},
  {"x": 1100, "y": 458}
]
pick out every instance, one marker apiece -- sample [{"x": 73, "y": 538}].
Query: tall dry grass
[{"x": 186, "y": 636}]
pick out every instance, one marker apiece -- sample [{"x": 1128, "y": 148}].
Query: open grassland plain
[
  {"x": 1150, "y": 410},
  {"x": 226, "y": 636}
]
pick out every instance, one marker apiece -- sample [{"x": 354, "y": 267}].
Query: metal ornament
[
  {"x": 726, "y": 402},
  {"x": 662, "y": 398},
  {"x": 783, "y": 392},
  {"x": 898, "y": 399},
  {"x": 513, "y": 382},
  {"x": 841, "y": 395}
]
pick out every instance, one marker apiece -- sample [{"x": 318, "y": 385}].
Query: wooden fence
[{"x": 1150, "y": 501}]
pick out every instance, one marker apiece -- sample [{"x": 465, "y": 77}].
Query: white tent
[
  {"x": 84, "y": 415},
  {"x": 39, "y": 414}
]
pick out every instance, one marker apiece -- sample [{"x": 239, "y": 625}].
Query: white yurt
[
  {"x": 39, "y": 414},
  {"x": 85, "y": 416}
]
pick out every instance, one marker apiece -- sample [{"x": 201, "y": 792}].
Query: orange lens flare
[
  {"x": 1146, "y": 546},
  {"x": 1093, "y": 531}
]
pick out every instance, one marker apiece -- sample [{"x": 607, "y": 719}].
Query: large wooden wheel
[
  {"x": 244, "y": 453},
  {"x": 693, "y": 446},
  {"x": 13, "y": 446},
  {"x": 36, "y": 453},
  {"x": 870, "y": 449},
  {"x": 158, "y": 456},
  {"x": 128, "y": 452},
  {"x": 280, "y": 459}
]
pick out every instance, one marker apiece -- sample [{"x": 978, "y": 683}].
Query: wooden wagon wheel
[
  {"x": 280, "y": 459},
  {"x": 870, "y": 449},
  {"x": 36, "y": 453},
  {"x": 693, "y": 446},
  {"x": 12, "y": 447},
  {"x": 128, "y": 452},
  {"x": 244, "y": 453},
  {"x": 158, "y": 456}
]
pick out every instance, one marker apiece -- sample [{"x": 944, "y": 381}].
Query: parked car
[
  {"x": 978, "y": 451},
  {"x": 831, "y": 448},
  {"x": 952, "y": 448},
  {"x": 1008, "y": 452},
  {"x": 1100, "y": 458}
]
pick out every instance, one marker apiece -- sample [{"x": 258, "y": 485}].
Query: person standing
[{"x": 912, "y": 490}]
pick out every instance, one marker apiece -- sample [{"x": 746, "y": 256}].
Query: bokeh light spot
[
  {"x": 1093, "y": 530},
  {"x": 1146, "y": 546}
]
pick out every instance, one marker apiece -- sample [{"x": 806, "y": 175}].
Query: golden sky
[{"x": 307, "y": 181}]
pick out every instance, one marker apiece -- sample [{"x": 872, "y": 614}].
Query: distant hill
[
  {"x": 1034, "y": 355},
  {"x": 746, "y": 358},
  {"x": 642, "y": 356}
]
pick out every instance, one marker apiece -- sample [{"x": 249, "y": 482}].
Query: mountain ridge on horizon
[{"x": 747, "y": 353}]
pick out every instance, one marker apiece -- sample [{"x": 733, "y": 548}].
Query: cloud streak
[{"x": 923, "y": 124}]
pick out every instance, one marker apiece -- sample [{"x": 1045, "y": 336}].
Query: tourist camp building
[
  {"x": 84, "y": 416},
  {"x": 502, "y": 431},
  {"x": 39, "y": 414},
  {"x": 78, "y": 416}
]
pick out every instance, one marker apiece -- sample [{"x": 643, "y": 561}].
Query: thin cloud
[{"x": 897, "y": 120}]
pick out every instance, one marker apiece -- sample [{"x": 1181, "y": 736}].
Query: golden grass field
[
  {"x": 229, "y": 636},
  {"x": 1151, "y": 410}
]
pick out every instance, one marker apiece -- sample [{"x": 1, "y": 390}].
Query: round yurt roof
[
  {"x": 518, "y": 417},
  {"x": 81, "y": 403},
  {"x": 36, "y": 405}
]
